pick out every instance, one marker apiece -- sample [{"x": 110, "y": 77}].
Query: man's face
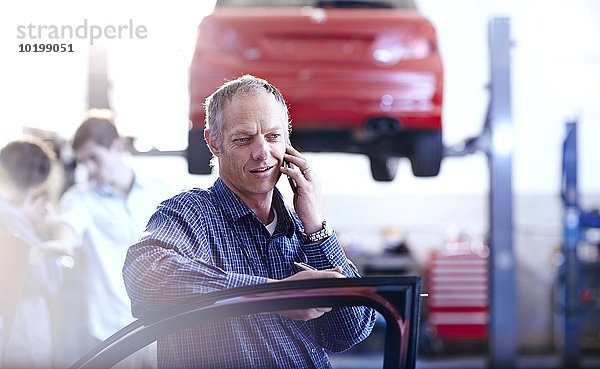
[
  {"x": 99, "y": 161},
  {"x": 254, "y": 142}
]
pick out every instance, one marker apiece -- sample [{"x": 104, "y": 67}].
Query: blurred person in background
[
  {"x": 104, "y": 216},
  {"x": 25, "y": 166}
]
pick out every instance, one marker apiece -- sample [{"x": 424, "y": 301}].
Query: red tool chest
[{"x": 457, "y": 306}]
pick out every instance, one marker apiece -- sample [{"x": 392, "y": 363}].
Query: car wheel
[
  {"x": 383, "y": 168},
  {"x": 198, "y": 154},
  {"x": 426, "y": 155}
]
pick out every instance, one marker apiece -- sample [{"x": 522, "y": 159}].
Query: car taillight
[
  {"x": 414, "y": 49},
  {"x": 418, "y": 49}
]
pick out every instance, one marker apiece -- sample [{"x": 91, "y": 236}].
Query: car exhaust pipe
[{"x": 383, "y": 125}]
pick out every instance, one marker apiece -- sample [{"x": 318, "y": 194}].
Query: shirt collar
[
  {"x": 235, "y": 208},
  {"x": 109, "y": 190},
  {"x": 285, "y": 224}
]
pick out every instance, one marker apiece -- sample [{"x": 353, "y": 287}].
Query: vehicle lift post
[
  {"x": 571, "y": 269},
  {"x": 503, "y": 313},
  {"x": 496, "y": 141}
]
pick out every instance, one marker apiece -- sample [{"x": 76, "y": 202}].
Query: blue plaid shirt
[{"x": 206, "y": 240}]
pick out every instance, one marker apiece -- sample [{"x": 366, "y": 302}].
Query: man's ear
[{"x": 212, "y": 145}]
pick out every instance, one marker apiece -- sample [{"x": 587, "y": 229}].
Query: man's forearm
[
  {"x": 328, "y": 254},
  {"x": 64, "y": 238},
  {"x": 157, "y": 277},
  {"x": 344, "y": 327}
]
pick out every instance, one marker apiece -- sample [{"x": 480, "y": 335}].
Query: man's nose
[
  {"x": 260, "y": 149},
  {"x": 90, "y": 167}
]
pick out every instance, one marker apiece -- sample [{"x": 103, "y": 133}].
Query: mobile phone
[{"x": 290, "y": 179}]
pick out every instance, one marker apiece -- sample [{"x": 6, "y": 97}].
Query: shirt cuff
[{"x": 326, "y": 254}]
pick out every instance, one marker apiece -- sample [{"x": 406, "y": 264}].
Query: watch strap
[{"x": 319, "y": 235}]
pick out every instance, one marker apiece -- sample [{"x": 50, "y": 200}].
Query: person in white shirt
[
  {"x": 25, "y": 333},
  {"x": 105, "y": 215}
]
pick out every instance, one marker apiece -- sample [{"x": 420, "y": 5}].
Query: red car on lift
[{"x": 360, "y": 76}]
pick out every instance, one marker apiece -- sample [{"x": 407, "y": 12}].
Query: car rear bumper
[{"x": 334, "y": 96}]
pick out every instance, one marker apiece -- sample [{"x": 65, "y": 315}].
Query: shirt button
[{"x": 313, "y": 350}]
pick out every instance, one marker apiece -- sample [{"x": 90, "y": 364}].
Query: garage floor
[{"x": 368, "y": 361}]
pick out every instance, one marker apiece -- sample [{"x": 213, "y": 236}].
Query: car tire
[
  {"x": 426, "y": 155},
  {"x": 383, "y": 168},
  {"x": 198, "y": 154}
]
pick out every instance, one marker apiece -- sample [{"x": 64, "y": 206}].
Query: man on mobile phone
[{"x": 240, "y": 232}]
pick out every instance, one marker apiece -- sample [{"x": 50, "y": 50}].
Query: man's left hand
[
  {"x": 307, "y": 199},
  {"x": 311, "y": 313}
]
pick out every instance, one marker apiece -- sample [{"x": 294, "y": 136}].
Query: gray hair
[{"x": 244, "y": 85}]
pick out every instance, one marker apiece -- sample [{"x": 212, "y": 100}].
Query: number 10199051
[{"x": 45, "y": 48}]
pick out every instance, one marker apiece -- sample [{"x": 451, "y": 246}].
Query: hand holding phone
[
  {"x": 307, "y": 190},
  {"x": 290, "y": 179}
]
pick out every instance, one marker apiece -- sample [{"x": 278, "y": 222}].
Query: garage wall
[{"x": 555, "y": 74}]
